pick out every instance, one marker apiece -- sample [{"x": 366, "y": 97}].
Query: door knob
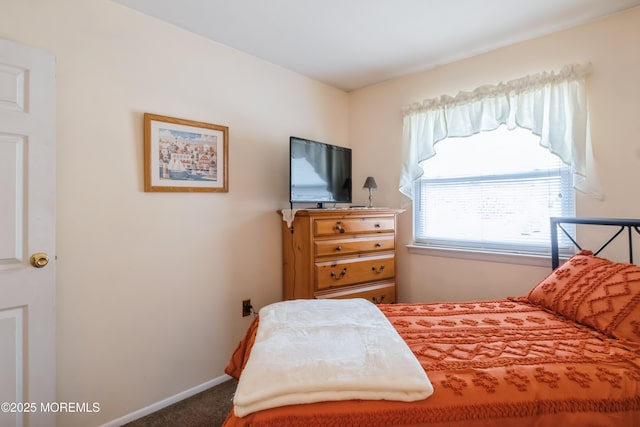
[{"x": 39, "y": 259}]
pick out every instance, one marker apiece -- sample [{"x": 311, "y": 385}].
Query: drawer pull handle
[
  {"x": 377, "y": 225},
  {"x": 375, "y": 300},
  {"x": 339, "y": 227},
  {"x": 378, "y": 245},
  {"x": 338, "y": 248},
  {"x": 377, "y": 270},
  {"x": 339, "y": 276}
]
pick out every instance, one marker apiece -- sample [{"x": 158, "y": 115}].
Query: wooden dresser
[{"x": 341, "y": 253}]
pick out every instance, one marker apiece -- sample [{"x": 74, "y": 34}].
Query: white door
[{"x": 27, "y": 227}]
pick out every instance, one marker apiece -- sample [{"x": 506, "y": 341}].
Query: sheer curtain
[{"x": 552, "y": 106}]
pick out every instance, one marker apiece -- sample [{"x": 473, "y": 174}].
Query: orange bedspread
[{"x": 492, "y": 363}]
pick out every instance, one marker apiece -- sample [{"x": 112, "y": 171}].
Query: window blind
[
  {"x": 494, "y": 191},
  {"x": 495, "y": 212}
]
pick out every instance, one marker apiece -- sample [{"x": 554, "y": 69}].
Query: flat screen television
[{"x": 319, "y": 173}]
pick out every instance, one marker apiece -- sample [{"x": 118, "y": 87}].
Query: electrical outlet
[{"x": 246, "y": 308}]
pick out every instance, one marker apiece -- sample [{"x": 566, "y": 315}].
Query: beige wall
[
  {"x": 150, "y": 284},
  {"x": 610, "y": 44}
]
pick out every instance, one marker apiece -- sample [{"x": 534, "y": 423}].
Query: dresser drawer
[
  {"x": 332, "y": 274},
  {"x": 353, "y": 245},
  {"x": 340, "y": 226},
  {"x": 380, "y": 294}
]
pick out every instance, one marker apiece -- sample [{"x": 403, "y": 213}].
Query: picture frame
[{"x": 185, "y": 155}]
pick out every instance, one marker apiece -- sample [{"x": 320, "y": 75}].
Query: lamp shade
[{"x": 370, "y": 183}]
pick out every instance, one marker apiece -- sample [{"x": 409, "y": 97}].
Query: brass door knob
[{"x": 39, "y": 259}]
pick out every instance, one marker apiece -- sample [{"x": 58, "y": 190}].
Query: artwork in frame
[{"x": 184, "y": 155}]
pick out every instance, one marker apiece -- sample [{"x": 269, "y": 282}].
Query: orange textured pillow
[{"x": 596, "y": 292}]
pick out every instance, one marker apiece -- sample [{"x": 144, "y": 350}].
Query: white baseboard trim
[{"x": 166, "y": 402}]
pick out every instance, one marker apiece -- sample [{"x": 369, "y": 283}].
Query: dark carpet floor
[{"x": 206, "y": 409}]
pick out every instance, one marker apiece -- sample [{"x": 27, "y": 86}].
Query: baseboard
[{"x": 166, "y": 402}]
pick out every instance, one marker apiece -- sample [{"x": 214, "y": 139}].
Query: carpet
[{"x": 206, "y": 409}]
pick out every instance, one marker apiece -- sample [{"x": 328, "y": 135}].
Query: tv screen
[{"x": 319, "y": 173}]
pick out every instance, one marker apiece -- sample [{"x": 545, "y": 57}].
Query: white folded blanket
[{"x": 309, "y": 351}]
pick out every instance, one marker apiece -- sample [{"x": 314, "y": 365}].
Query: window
[{"x": 493, "y": 191}]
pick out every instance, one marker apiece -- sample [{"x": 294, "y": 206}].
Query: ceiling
[{"x": 350, "y": 44}]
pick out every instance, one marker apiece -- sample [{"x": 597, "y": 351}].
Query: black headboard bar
[{"x": 556, "y": 222}]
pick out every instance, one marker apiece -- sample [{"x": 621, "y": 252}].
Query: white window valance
[{"x": 552, "y": 106}]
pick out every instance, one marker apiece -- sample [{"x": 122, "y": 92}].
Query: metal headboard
[{"x": 622, "y": 224}]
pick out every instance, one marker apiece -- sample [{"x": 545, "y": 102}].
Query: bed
[{"x": 568, "y": 353}]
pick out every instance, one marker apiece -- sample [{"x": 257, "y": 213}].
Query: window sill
[{"x": 476, "y": 255}]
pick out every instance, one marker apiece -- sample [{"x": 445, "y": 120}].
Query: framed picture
[{"x": 183, "y": 155}]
